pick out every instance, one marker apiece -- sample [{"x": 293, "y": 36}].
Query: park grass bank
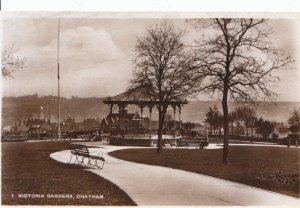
[
  {"x": 271, "y": 168},
  {"x": 31, "y": 177}
]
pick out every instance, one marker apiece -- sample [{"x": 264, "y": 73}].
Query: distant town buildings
[{"x": 121, "y": 122}]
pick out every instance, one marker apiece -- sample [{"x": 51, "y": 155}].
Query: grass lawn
[
  {"x": 28, "y": 169},
  {"x": 271, "y": 168}
]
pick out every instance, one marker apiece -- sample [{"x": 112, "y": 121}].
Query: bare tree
[
  {"x": 265, "y": 128},
  {"x": 10, "y": 62},
  {"x": 210, "y": 119},
  {"x": 244, "y": 115},
  {"x": 164, "y": 69},
  {"x": 251, "y": 123},
  {"x": 248, "y": 118},
  {"x": 294, "y": 121},
  {"x": 232, "y": 117},
  {"x": 237, "y": 59},
  {"x": 214, "y": 119}
]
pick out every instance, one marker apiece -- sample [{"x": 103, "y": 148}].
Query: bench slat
[{"x": 83, "y": 151}]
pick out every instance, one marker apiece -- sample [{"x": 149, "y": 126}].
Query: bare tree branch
[
  {"x": 165, "y": 69},
  {"x": 238, "y": 60},
  {"x": 10, "y": 62}
]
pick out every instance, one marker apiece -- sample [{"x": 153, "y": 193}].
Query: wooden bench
[
  {"x": 201, "y": 142},
  {"x": 81, "y": 152}
]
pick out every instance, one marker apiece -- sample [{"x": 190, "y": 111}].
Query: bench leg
[
  {"x": 100, "y": 165},
  {"x": 82, "y": 160},
  {"x": 71, "y": 158},
  {"x": 76, "y": 159},
  {"x": 89, "y": 162},
  {"x": 96, "y": 164}
]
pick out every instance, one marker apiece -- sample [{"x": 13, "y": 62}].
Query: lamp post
[{"x": 58, "y": 86}]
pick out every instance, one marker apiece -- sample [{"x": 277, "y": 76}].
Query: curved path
[{"x": 155, "y": 185}]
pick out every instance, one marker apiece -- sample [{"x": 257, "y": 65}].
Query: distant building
[
  {"x": 22, "y": 128},
  {"x": 68, "y": 124},
  {"x": 90, "y": 124},
  {"x": 37, "y": 127},
  {"x": 42, "y": 113}
]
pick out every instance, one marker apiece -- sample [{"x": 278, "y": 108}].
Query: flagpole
[{"x": 58, "y": 86}]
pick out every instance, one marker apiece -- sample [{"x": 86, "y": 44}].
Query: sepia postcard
[{"x": 150, "y": 109}]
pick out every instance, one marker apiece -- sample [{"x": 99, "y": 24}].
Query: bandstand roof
[{"x": 137, "y": 98}]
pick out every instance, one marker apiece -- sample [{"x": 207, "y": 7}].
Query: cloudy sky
[{"x": 96, "y": 54}]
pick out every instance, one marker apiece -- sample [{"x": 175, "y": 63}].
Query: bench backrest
[{"x": 79, "y": 149}]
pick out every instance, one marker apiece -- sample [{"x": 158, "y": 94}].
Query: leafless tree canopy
[
  {"x": 10, "y": 62},
  {"x": 240, "y": 57},
  {"x": 164, "y": 69},
  {"x": 237, "y": 59},
  {"x": 163, "y": 64}
]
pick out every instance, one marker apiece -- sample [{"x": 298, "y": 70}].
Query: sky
[{"x": 96, "y": 54}]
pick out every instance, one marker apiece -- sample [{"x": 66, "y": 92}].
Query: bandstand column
[
  {"x": 142, "y": 109},
  {"x": 111, "y": 107},
  {"x": 119, "y": 133},
  {"x": 179, "y": 114},
  {"x": 122, "y": 112},
  {"x": 174, "y": 107},
  {"x": 150, "y": 111}
]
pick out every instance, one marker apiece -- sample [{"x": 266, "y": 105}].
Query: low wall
[{"x": 141, "y": 142}]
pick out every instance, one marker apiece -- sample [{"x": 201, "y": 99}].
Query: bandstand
[{"x": 135, "y": 97}]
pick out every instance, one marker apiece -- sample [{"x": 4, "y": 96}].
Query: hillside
[
  {"x": 279, "y": 111},
  {"x": 22, "y": 108}
]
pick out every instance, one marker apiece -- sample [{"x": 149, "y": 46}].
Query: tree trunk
[
  {"x": 160, "y": 129},
  {"x": 225, "y": 124},
  {"x": 238, "y": 128},
  {"x": 251, "y": 134},
  {"x": 214, "y": 132},
  {"x": 161, "y": 116}
]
